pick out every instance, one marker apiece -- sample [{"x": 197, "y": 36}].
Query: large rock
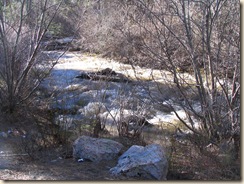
[
  {"x": 148, "y": 162},
  {"x": 96, "y": 149},
  {"x": 3, "y": 134}
]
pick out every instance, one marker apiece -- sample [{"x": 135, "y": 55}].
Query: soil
[
  {"x": 60, "y": 169},
  {"x": 47, "y": 164},
  {"x": 53, "y": 164}
]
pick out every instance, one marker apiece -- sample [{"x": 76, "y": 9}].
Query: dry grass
[{"x": 188, "y": 162}]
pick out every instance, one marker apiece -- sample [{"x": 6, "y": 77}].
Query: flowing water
[{"x": 109, "y": 100}]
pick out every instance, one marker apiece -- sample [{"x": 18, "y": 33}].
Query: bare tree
[
  {"x": 21, "y": 36},
  {"x": 202, "y": 37}
]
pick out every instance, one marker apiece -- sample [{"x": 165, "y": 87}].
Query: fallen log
[{"x": 104, "y": 75}]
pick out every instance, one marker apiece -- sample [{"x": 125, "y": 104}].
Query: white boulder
[{"x": 148, "y": 162}]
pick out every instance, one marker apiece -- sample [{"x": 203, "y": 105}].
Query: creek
[{"x": 149, "y": 95}]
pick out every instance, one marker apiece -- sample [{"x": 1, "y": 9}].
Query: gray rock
[
  {"x": 148, "y": 162},
  {"x": 93, "y": 109},
  {"x": 95, "y": 149},
  {"x": 3, "y": 134},
  {"x": 69, "y": 121}
]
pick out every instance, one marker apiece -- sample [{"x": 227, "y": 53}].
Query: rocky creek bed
[
  {"x": 81, "y": 100},
  {"x": 75, "y": 86}
]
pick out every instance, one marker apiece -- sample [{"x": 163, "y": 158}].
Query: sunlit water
[{"x": 113, "y": 99}]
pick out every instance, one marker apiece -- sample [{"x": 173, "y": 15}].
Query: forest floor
[
  {"x": 23, "y": 168},
  {"x": 185, "y": 165},
  {"x": 48, "y": 164},
  {"x": 15, "y": 165}
]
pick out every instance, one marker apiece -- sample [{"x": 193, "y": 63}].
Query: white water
[{"x": 116, "y": 98}]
